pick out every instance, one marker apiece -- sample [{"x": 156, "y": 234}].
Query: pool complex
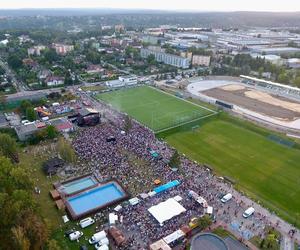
[
  {"x": 95, "y": 199},
  {"x": 78, "y": 185}
]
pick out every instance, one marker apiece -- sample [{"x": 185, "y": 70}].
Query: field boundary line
[
  {"x": 184, "y": 123},
  {"x": 195, "y": 104}
]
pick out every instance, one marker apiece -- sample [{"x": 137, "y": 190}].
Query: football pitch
[
  {"x": 154, "y": 108},
  {"x": 264, "y": 169}
]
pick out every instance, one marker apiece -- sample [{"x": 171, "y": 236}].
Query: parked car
[
  {"x": 248, "y": 212},
  {"x": 75, "y": 236},
  {"x": 226, "y": 198}
]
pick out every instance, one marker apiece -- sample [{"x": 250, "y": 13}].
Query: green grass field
[
  {"x": 264, "y": 169},
  {"x": 154, "y": 108}
]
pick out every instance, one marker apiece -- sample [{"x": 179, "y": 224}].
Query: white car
[
  {"x": 226, "y": 198},
  {"x": 75, "y": 236},
  {"x": 248, "y": 212}
]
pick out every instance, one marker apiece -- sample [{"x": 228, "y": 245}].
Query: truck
[
  {"x": 97, "y": 237},
  {"x": 86, "y": 222}
]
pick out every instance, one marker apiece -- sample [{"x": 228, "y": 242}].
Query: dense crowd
[{"x": 127, "y": 159}]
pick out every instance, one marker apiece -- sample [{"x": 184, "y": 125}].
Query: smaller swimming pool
[
  {"x": 78, "y": 185},
  {"x": 95, "y": 199}
]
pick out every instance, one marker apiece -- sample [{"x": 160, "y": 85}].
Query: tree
[
  {"x": 8, "y": 147},
  {"x": 204, "y": 222},
  {"x": 297, "y": 81},
  {"x": 53, "y": 245},
  {"x": 269, "y": 242},
  {"x": 128, "y": 124},
  {"x": 68, "y": 79},
  {"x": 260, "y": 71},
  {"x": 14, "y": 61},
  {"x": 24, "y": 105},
  {"x": 175, "y": 160},
  {"x": 50, "y": 55},
  {"x": 66, "y": 151},
  {"x": 283, "y": 78},
  {"x": 51, "y": 132},
  {"x": 151, "y": 60},
  {"x": 20, "y": 219},
  {"x": 31, "y": 114},
  {"x": 20, "y": 239}
]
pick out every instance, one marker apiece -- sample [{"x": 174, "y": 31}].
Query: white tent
[
  {"x": 209, "y": 210},
  {"x": 112, "y": 218},
  {"x": 166, "y": 210},
  {"x": 134, "y": 201},
  {"x": 177, "y": 198}
]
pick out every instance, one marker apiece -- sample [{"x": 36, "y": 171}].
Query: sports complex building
[{"x": 272, "y": 104}]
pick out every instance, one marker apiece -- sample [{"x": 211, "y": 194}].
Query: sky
[{"x": 194, "y": 5}]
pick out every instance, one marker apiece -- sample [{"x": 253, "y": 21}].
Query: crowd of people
[{"x": 116, "y": 150}]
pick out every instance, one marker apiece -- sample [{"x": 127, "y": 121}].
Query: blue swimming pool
[
  {"x": 95, "y": 198},
  {"x": 78, "y": 185}
]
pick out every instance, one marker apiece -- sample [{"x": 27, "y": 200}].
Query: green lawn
[
  {"x": 265, "y": 170},
  {"x": 47, "y": 206},
  {"x": 154, "y": 108}
]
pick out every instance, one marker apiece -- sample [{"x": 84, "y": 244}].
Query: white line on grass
[
  {"x": 184, "y": 123},
  {"x": 195, "y": 104}
]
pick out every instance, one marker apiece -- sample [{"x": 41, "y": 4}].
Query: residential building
[
  {"x": 62, "y": 125},
  {"x": 36, "y": 50},
  {"x": 93, "y": 69},
  {"x": 43, "y": 74},
  {"x": 161, "y": 56},
  {"x": 201, "y": 60},
  {"x": 119, "y": 28},
  {"x": 54, "y": 81},
  {"x": 62, "y": 49}
]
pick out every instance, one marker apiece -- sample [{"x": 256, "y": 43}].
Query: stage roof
[{"x": 166, "y": 210}]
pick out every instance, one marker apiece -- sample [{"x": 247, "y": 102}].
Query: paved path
[
  {"x": 287, "y": 243},
  {"x": 281, "y": 225}
]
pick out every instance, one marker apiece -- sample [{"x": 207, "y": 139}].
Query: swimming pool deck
[{"x": 59, "y": 186}]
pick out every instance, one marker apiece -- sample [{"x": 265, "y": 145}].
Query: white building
[
  {"x": 201, "y": 60},
  {"x": 36, "y": 50},
  {"x": 122, "y": 82},
  {"x": 62, "y": 49},
  {"x": 54, "y": 81},
  {"x": 161, "y": 56},
  {"x": 294, "y": 63}
]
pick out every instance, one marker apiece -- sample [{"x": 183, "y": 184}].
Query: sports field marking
[
  {"x": 154, "y": 108},
  {"x": 182, "y": 99},
  {"x": 184, "y": 123}
]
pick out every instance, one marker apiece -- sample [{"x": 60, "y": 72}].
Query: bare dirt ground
[{"x": 261, "y": 102}]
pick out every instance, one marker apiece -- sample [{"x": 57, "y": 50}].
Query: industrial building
[{"x": 275, "y": 50}]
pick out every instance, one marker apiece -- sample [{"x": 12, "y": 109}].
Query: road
[{"x": 19, "y": 86}]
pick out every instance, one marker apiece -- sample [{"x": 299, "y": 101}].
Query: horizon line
[{"x": 142, "y": 9}]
